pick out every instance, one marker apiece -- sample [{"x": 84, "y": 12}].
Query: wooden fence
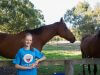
[{"x": 68, "y": 63}]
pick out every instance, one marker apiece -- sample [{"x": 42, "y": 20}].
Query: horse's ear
[{"x": 61, "y": 20}]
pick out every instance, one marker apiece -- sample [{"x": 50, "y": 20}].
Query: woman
[{"x": 25, "y": 60}]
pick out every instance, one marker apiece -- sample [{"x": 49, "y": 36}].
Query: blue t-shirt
[{"x": 27, "y": 58}]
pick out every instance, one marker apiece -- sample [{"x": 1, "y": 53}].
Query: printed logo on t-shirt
[{"x": 28, "y": 58}]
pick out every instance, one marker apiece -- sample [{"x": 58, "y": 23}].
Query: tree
[
  {"x": 83, "y": 18},
  {"x": 18, "y": 15}
]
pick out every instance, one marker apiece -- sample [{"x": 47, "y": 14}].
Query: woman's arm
[
  {"x": 41, "y": 59},
  {"x": 17, "y": 66}
]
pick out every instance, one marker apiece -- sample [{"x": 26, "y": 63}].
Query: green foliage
[
  {"x": 57, "y": 38},
  {"x": 18, "y": 15},
  {"x": 84, "y": 19}
]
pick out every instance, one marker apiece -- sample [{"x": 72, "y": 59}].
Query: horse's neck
[{"x": 49, "y": 32}]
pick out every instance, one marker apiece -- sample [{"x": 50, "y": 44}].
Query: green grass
[
  {"x": 62, "y": 46},
  {"x": 61, "y": 51},
  {"x": 62, "y": 54}
]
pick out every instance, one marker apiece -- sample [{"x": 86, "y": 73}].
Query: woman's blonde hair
[{"x": 29, "y": 34}]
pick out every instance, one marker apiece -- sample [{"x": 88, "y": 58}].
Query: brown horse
[
  {"x": 10, "y": 43},
  {"x": 90, "y": 48}
]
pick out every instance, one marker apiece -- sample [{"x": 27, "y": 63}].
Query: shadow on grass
[
  {"x": 62, "y": 46},
  {"x": 59, "y": 56}
]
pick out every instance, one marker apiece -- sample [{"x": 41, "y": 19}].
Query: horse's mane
[
  {"x": 98, "y": 34},
  {"x": 85, "y": 36},
  {"x": 36, "y": 31}
]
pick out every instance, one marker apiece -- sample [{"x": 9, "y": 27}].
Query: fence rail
[{"x": 68, "y": 63}]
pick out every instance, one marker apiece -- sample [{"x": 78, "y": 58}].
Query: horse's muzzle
[{"x": 72, "y": 41}]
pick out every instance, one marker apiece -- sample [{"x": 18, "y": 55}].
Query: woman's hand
[
  {"x": 37, "y": 63},
  {"x": 39, "y": 60},
  {"x": 33, "y": 65}
]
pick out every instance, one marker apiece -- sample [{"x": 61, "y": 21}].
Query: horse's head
[{"x": 64, "y": 32}]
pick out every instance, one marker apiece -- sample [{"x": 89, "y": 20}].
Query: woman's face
[{"x": 28, "y": 41}]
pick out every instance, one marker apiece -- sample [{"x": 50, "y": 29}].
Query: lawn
[{"x": 61, "y": 51}]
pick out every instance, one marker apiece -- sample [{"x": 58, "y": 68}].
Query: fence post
[{"x": 69, "y": 70}]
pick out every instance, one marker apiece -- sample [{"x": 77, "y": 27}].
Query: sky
[{"x": 53, "y": 10}]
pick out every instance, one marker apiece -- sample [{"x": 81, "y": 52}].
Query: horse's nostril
[{"x": 72, "y": 41}]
